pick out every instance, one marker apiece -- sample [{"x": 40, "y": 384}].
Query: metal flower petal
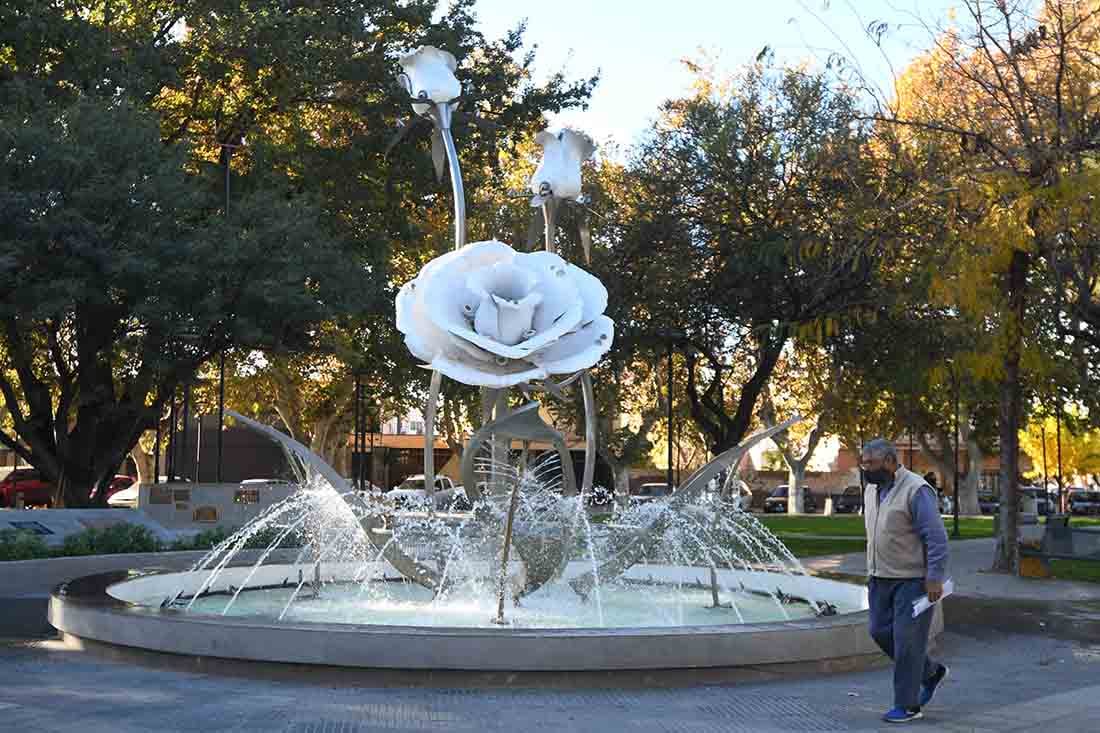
[
  {"x": 490, "y": 316},
  {"x": 429, "y": 74},
  {"x": 559, "y": 171}
]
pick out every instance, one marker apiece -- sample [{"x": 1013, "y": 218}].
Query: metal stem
[
  {"x": 442, "y": 116},
  {"x": 550, "y": 230},
  {"x": 589, "y": 435},
  {"x": 429, "y": 437},
  {"x": 503, "y": 579}
]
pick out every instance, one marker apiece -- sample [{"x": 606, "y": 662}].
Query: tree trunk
[
  {"x": 1007, "y": 557},
  {"x": 144, "y": 462},
  {"x": 796, "y": 477},
  {"x": 968, "y": 492}
]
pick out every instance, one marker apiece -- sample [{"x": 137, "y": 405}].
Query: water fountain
[{"x": 525, "y": 581}]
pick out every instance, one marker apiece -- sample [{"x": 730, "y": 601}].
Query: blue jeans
[{"x": 902, "y": 637}]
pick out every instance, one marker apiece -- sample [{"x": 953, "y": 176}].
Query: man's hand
[{"x": 934, "y": 588}]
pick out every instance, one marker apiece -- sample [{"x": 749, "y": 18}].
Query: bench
[{"x": 1059, "y": 542}]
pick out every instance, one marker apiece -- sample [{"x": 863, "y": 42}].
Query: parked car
[
  {"x": 411, "y": 493},
  {"x": 1083, "y": 501},
  {"x": 777, "y": 500},
  {"x": 988, "y": 502},
  {"x": 120, "y": 482},
  {"x": 36, "y": 490},
  {"x": 125, "y": 499},
  {"x": 647, "y": 493},
  {"x": 849, "y": 501},
  {"x": 741, "y": 496}
]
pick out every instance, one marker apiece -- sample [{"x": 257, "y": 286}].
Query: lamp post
[
  {"x": 1058, "y": 418},
  {"x": 955, "y": 504},
  {"x": 955, "y": 468},
  {"x": 227, "y": 153},
  {"x": 670, "y": 336}
]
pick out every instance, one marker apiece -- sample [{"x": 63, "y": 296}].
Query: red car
[
  {"x": 36, "y": 490},
  {"x": 118, "y": 483}
]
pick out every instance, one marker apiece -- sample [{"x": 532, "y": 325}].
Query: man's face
[{"x": 877, "y": 468}]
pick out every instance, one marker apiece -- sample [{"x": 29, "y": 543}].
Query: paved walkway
[
  {"x": 969, "y": 565},
  {"x": 1000, "y": 682}
]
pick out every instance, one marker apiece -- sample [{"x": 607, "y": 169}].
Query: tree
[
  {"x": 159, "y": 274},
  {"x": 753, "y": 220},
  {"x": 1079, "y": 450},
  {"x": 1009, "y": 93},
  {"x": 805, "y": 387},
  {"x": 124, "y": 288}
]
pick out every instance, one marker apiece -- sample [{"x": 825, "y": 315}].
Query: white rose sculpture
[
  {"x": 429, "y": 74},
  {"x": 559, "y": 171},
  {"x": 489, "y": 316}
]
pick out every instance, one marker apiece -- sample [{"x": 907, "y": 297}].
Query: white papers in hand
[{"x": 922, "y": 604}]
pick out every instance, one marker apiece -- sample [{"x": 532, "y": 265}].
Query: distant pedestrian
[{"x": 906, "y": 559}]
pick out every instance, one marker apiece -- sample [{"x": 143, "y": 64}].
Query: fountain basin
[{"x": 123, "y": 608}]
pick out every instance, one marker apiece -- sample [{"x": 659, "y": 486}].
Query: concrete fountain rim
[{"x": 83, "y": 609}]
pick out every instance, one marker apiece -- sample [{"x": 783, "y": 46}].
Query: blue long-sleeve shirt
[{"x": 929, "y": 526}]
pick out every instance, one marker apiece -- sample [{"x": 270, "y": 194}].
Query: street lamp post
[
  {"x": 227, "y": 153},
  {"x": 955, "y": 503},
  {"x": 1058, "y": 419},
  {"x": 670, "y": 484},
  {"x": 670, "y": 337},
  {"x": 955, "y": 460}
]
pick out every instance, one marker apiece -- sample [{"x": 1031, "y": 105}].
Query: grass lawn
[
  {"x": 801, "y": 547},
  {"x": 848, "y": 525},
  {"x": 1088, "y": 572}
]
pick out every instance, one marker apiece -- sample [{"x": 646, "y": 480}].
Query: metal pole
[
  {"x": 862, "y": 479},
  {"x": 363, "y": 418},
  {"x": 221, "y": 411},
  {"x": 198, "y": 448},
  {"x": 356, "y": 452},
  {"x": 170, "y": 458},
  {"x": 442, "y": 116},
  {"x": 1043, "y": 435},
  {"x": 370, "y": 470},
  {"x": 156, "y": 453},
  {"x": 186, "y": 420},
  {"x": 221, "y": 357},
  {"x": 669, "y": 479},
  {"x": 955, "y": 503},
  {"x": 1058, "y": 416}
]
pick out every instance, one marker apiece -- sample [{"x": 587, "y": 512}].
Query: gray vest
[{"x": 894, "y": 549}]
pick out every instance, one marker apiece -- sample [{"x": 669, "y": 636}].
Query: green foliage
[
  {"x": 132, "y": 272},
  {"x": 204, "y": 540},
  {"x": 17, "y": 544},
  {"x": 210, "y": 538},
  {"x": 114, "y": 540}
]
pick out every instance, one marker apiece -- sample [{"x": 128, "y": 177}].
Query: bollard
[
  {"x": 20, "y": 502},
  {"x": 828, "y": 505}
]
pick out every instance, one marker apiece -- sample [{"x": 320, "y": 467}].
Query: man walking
[{"x": 906, "y": 559}]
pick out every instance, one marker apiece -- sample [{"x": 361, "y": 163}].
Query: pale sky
[{"x": 638, "y": 45}]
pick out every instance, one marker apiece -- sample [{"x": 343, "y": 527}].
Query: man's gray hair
[{"x": 880, "y": 448}]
